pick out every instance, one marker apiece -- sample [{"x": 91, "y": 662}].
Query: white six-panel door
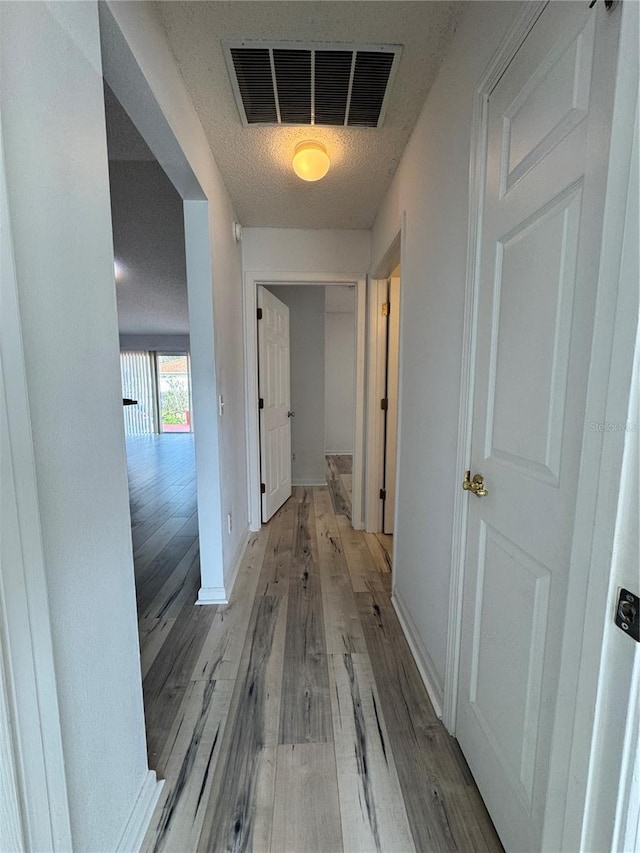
[
  {"x": 274, "y": 390},
  {"x": 541, "y": 224}
]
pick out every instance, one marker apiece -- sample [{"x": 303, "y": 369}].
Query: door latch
[
  {"x": 628, "y": 614},
  {"x": 476, "y": 486}
]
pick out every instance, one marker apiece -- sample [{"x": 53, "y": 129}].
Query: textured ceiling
[{"x": 255, "y": 162}]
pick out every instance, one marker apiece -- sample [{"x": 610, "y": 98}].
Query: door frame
[
  {"x": 251, "y": 280},
  {"x": 376, "y": 370},
  {"x": 575, "y": 732}
]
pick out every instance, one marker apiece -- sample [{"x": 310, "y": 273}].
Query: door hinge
[
  {"x": 259, "y": 313},
  {"x": 384, "y": 404},
  {"x": 386, "y": 309},
  {"x": 263, "y": 488},
  {"x": 383, "y": 494},
  {"x": 261, "y": 402}
]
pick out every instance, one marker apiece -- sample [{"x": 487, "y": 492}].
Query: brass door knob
[{"x": 475, "y": 485}]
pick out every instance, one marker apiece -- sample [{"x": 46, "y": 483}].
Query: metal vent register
[{"x": 320, "y": 84}]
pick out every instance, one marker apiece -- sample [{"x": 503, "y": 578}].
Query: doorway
[
  {"x": 391, "y": 325},
  {"x": 316, "y": 336},
  {"x": 252, "y": 281},
  {"x": 383, "y": 391},
  {"x": 173, "y": 373},
  {"x": 147, "y": 215}
]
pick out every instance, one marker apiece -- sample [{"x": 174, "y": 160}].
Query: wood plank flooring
[{"x": 293, "y": 718}]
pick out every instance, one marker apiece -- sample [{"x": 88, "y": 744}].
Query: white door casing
[
  {"x": 539, "y": 246},
  {"x": 391, "y": 430},
  {"x": 274, "y": 390}
]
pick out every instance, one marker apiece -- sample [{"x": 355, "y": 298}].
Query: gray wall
[
  {"x": 161, "y": 343},
  {"x": 148, "y": 242},
  {"x": 340, "y": 351},
  {"x": 306, "y": 324}
]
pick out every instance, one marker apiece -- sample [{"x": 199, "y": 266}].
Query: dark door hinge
[
  {"x": 383, "y": 494},
  {"x": 259, "y": 313},
  {"x": 263, "y": 488},
  {"x": 628, "y": 614},
  {"x": 261, "y": 402},
  {"x": 384, "y": 404}
]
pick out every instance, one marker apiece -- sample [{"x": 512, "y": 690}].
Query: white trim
[
  {"x": 24, "y": 602},
  {"x": 396, "y": 523},
  {"x": 423, "y": 661},
  {"x": 360, "y": 425},
  {"x": 498, "y": 65},
  {"x": 394, "y": 256},
  {"x": 140, "y": 818},
  {"x": 309, "y": 483},
  {"x": 582, "y": 727},
  {"x": 253, "y": 278},
  {"x": 212, "y": 595},
  {"x": 11, "y": 829},
  {"x": 375, "y": 392}
]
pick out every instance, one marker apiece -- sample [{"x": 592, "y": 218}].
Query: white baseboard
[
  {"x": 338, "y": 453},
  {"x": 322, "y": 482},
  {"x": 421, "y": 656},
  {"x": 140, "y": 817},
  {"x": 221, "y": 594},
  {"x": 212, "y": 595}
]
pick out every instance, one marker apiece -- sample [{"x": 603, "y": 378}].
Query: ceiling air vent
[{"x": 319, "y": 84}]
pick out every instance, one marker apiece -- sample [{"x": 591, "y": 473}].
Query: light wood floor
[{"x": 293, "y": 718}]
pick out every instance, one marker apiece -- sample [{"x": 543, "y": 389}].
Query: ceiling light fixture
[{"x": 311, "y": 161}]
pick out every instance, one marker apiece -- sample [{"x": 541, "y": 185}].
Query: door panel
[
  {"x": 274, "y": 389},
  {"x": 535, "y": 277},
  {"x": 541, "y": 225}
]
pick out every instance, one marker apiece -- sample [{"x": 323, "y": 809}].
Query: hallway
[{"x": 294, "y": 718}]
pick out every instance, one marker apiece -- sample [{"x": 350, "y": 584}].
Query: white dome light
[{"x": 311, "y": 161}]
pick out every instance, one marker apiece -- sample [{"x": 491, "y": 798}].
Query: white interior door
[
  {"x": 541, "y": 232},
  {"x": 391, "y": 427},
  {"x": 274, "y": 391}
]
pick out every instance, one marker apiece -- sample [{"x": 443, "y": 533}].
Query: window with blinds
[{"x": 138, "y": 383}]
